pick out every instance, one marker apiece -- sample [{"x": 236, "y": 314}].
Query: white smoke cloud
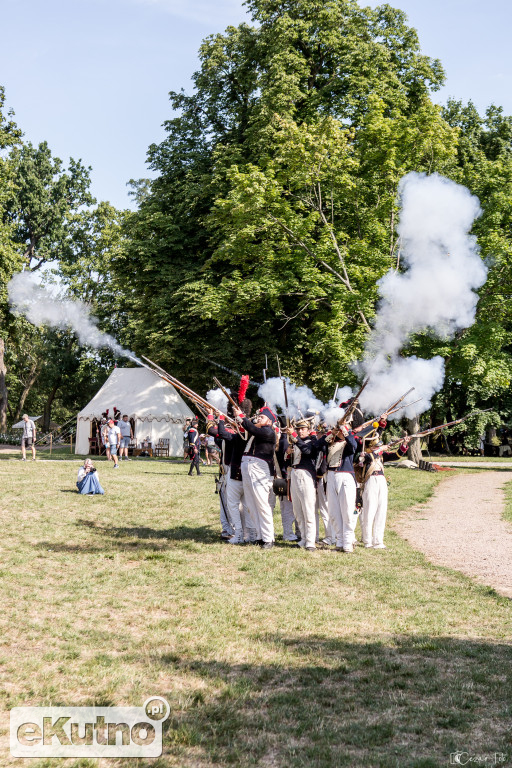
[
  {"x": 302, "y": 401},
  {"x": 218, "y": 399},
  {"x": 42, "y": 307},
  {"x": 331, "y": 412},
  {"x": 436, "y": 292}
]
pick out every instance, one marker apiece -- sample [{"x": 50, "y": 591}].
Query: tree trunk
[
  {"x": 48, "y": 407},
  {"x": 3, "y": 389},
  {"x": 31, "y": 380},
  {"x": 414, "y": 452}
]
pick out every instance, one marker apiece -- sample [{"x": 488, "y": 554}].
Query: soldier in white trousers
[
  {"x": 258, "y": 472},
  {"x": 322, "y": 512},
  {"x": 303, "y": 454},
  {"x": 341, "y": 485},
  {"x": 227, "y": 526},
  {"x": 287, "y": 519},
  {"x": 233, "y": 446},
  {"x": 375, "y": 492}
]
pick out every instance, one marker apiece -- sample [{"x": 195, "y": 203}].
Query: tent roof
[
  {"x": 21, "y": 424},
  {"x": 140, "y": 393}
]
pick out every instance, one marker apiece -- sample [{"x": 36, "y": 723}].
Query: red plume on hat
[{"x": 244, "y": 386}]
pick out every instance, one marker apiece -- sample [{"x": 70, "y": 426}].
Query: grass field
[{"x": 279, "y": 658}]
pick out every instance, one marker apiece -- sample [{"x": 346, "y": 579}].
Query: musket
[
  {"x": 353, "y": 405},
  {"x": 193, "y": 396},
  {"x": 400, "y": 399},
  {"x": 287, "y": 410},
  {"x": 226, "y": 393},
  {"x": 430, "y": 431},
  {"x": 392, "y": 409},
  {"x": 401, "y": 407}
]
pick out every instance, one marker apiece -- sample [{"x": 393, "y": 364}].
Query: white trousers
[
  {"x": 236, "y": 504},
  {"x": 303, "y": 493},
  {"x": 226, "y": 523},
  {"x": 341, "y": 498},
  {"x": 375, "y": 508},
  {"x": 257, "y": 484},
  {"x": 323, "y": 512},
  {"x": 287, "y": 518}
]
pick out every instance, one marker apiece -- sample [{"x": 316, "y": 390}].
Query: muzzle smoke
[
  {"x": 41, "y": 307},
  {"x": 302, "y": 401},
  {"x": 435, "y": 294},
  {"x": 218, "y": 399}
]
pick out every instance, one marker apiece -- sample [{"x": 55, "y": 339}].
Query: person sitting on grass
[{"x": 87, "y": 481}]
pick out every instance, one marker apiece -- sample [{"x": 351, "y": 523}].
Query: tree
[
  {"x": 9, "y": 259},
  {"x": 274, "y": 211},
  {"x": 46, "y": 199}
]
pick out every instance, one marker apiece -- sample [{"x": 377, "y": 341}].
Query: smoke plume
[
  {"x": 218, "y": 399},
  {"x": 41, "y": 307},
  {"x": 434, "y": 294},
  {"x": 302, "y": 401}
]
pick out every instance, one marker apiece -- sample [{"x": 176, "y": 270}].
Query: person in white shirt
[
  {"x": 28, "y": 438},
  {"x": 126, "y": 435},
  {"x": 114, "y": 439}
]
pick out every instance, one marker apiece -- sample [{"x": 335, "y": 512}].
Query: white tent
[{"x": 156, "y": 408}]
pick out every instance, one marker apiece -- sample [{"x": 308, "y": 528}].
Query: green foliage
[
  {"x": 47, "y": 220},
  {"x": 273, "y": 214},
  {"x": 9, "y": 259},
  {"x": 45, "y": 200}
]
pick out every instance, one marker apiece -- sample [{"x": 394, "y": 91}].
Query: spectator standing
[
  {"x": 114, "y": 440},
  {"x": 126, "y": 435},
  {"x": 212, "y": 451},
  {"x": 104, "y": 437},
  {"x": 28, "y": 438}
]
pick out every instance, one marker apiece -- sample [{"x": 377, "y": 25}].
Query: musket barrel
[{"x": 193, "y": 396}]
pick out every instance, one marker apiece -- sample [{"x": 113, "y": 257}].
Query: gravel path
[
  {"x": 461, "y": 527},
  {"x": 476, "y": 464}
]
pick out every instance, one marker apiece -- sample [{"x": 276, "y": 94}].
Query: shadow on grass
[
  {"x": 183, "y": 474},
  {"x": 406, "y": 701},
  {"x": 129, "y": 539}
]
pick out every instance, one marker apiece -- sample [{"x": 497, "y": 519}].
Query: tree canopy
[{"x": 274, "y": 209}]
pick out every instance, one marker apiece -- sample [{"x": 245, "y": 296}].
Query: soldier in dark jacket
[
  {"x": 303, "y": 453},
  {"x": 258, "y": 471},
  {"x": 194, "y": 446}
]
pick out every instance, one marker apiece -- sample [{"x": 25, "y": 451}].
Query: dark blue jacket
[
  {"x": 264, "y": 443},
  {"x": 347, "y": 457},
  {"x": 308, "y": 455}
]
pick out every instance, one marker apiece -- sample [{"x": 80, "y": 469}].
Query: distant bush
[{"x": 10, "y": 439}]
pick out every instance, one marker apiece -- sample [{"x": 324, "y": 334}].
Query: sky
[{"x": 92, "y": 77}]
